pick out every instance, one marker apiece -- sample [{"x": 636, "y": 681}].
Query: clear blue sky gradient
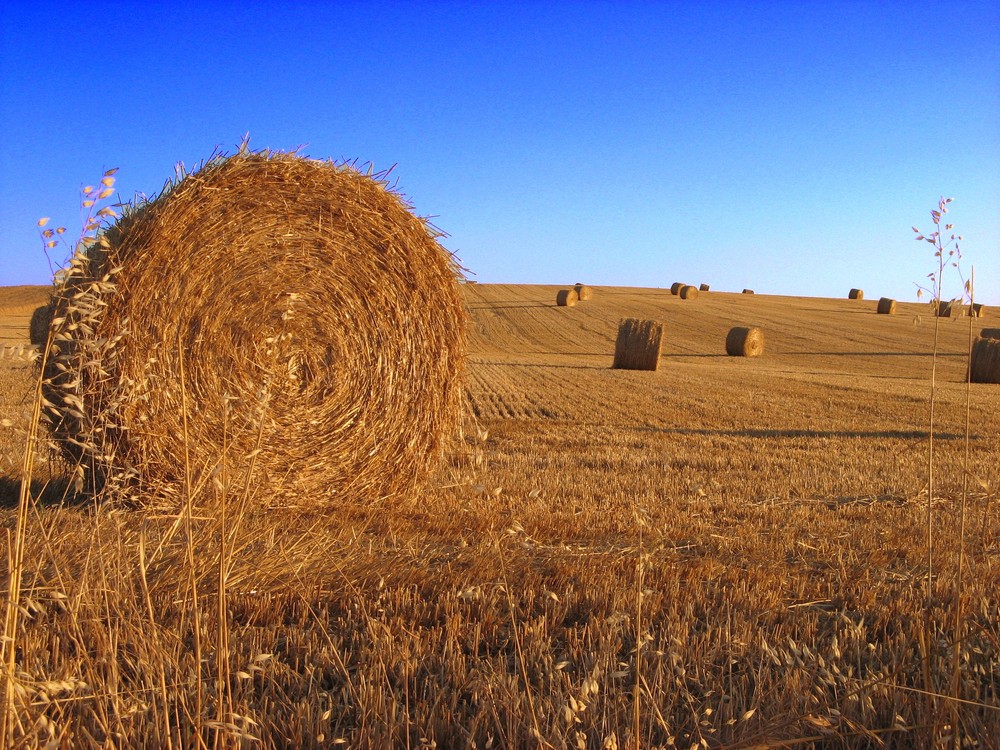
[{"x": 783, "y": 146}]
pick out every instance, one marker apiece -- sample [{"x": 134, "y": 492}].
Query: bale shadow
[{"x": 50, "y": 492}]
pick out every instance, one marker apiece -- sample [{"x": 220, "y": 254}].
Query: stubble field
[{"x": 757, "y": 527}]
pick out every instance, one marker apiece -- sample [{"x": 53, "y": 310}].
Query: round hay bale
[
  {"x": 856, "y": 294},
  {"x": 703, "y": 288},
  {"x": 745, "y": 342},
  {"x": 978, "y": 310},
  {"x": 675, "y": 288},
  {"x": 990, "y": 333},
  {"x": 949, "y": 309},
  {"x": 748, "y": 291},
  {"x": 567, "y": 298},
  {"x": 38, "y": 329},
  {"x": 284, "y": 324},
  {"x": 688, "y": 292},
  {"x": 886, "y": 306},
  {"x": 583, "y": 292},
  {"x": 984, "y": 362}
]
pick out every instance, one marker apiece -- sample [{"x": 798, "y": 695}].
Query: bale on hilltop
[
  {"x": 688, "y": 292},
  {"x": 566, "y": 298},
  {"x": 288, "y": 319},
  {"x": 984, "y": 362},
  {"x": 744, "y": 341},
  {"x": 703, "y": 288},
  {"x": 638, "y": 345},
  {"x": 978, "y": 310},
  {"x": 748, "y": 291},
  {"x": 675, "y": 288},
  {"x": 856, "y": 294},
  {"x": 886, "y": 306},
  {"x": 583, "y": 292}
]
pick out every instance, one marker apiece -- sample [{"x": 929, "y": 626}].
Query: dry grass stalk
[
  {"x": 567, "y": 298},
  {"x": 856, "y": 294},
  {"x": 638, "y": 345},
  {"x": 748, "y": 291},
  {"x": 583, "y": 292},
  {"x": 745, "y": 341},
  {"x": 703, "y": 288},
  {"x": 984, "y": 363},
  {"x": 689, "y": 292},
  {"x": 675, "y": 288},
  {"x": 310, "y": 302},
  {"x": 886, "y": 306}
]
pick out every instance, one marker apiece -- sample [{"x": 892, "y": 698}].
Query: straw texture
[
  {"x": 567, "y": 298},
  {"x": 638, "y": 345},
  {"x": 583, "y": 292},
  {"x": 745, "y": 342},
  {"x": 291, "y": 316},
  {"x": 984, "y": 364},
  {"x": 689, "y": 292},
  {"x": 856, "y": 294},
  {"x": 886, "y": 306}
]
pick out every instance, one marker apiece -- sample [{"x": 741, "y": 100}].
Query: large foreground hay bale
[
  {"x": 856, "y": 294},
  {"x": 745, "y": 342},
  {"x": 583, "y": 292},
  {"x": 688, "y": 292},
  {"x": 292, "y": 311},
  {"x": 675, "y": 288},
  {"x": 567, "y": 298},
  {"x": 38, "y": 328},
  {"x": 984, "y": 364},
  {"x": 886, "y": 306},
  {"x": 638, "y": 345}
]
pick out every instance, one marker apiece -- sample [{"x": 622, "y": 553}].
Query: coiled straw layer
[
  {"x": 567, "y": 298},
  {"x": 745, "y": 342},
  {"x": 269, "y": 321}
]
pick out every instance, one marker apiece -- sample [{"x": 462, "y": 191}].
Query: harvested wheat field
[{"x": 727, "y": 552}]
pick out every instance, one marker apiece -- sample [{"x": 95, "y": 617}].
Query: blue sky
[{"x": 783, "y": 146}]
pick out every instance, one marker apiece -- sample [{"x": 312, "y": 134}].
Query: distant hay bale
[
  {"x": 748, "y": 291},
  {"x": 990, "y": 333},
  {"x": 856, "y": 294},
  {"x": 978, "y": 310},
  {"x": 675, "y": 288},
  {"x": 688, "y": 292},
  {"x": 703, "y": 288},
  {"x": 950, "y": 309},
  {"x": 583, "y": 292},
  {"x": 984, "y": 363},
  {"x": 638, "y": 345},
  {"x": 886, "y": 306},
  {"x": 745, "y": 342},
  {"x": 567, "y": 298},
  {"x": 284, "y": 324},
  {"x": 38, "y": 329}
]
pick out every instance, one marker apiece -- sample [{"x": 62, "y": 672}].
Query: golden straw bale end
[
  {"x": 886, "y": 306},
  {"x": 856, "y": 294},
  {"x": 745, "y": 342},
  {"x": 984, "y": 363},
  {"x": 583, "y": 292},
  {"x": 638, "y": 345},
  {"x": 567, "y": 298},
  {"x": 286, "y": 318},
  {"x": 689, "y": 292},
  {"x": 675, "y": 288}
]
